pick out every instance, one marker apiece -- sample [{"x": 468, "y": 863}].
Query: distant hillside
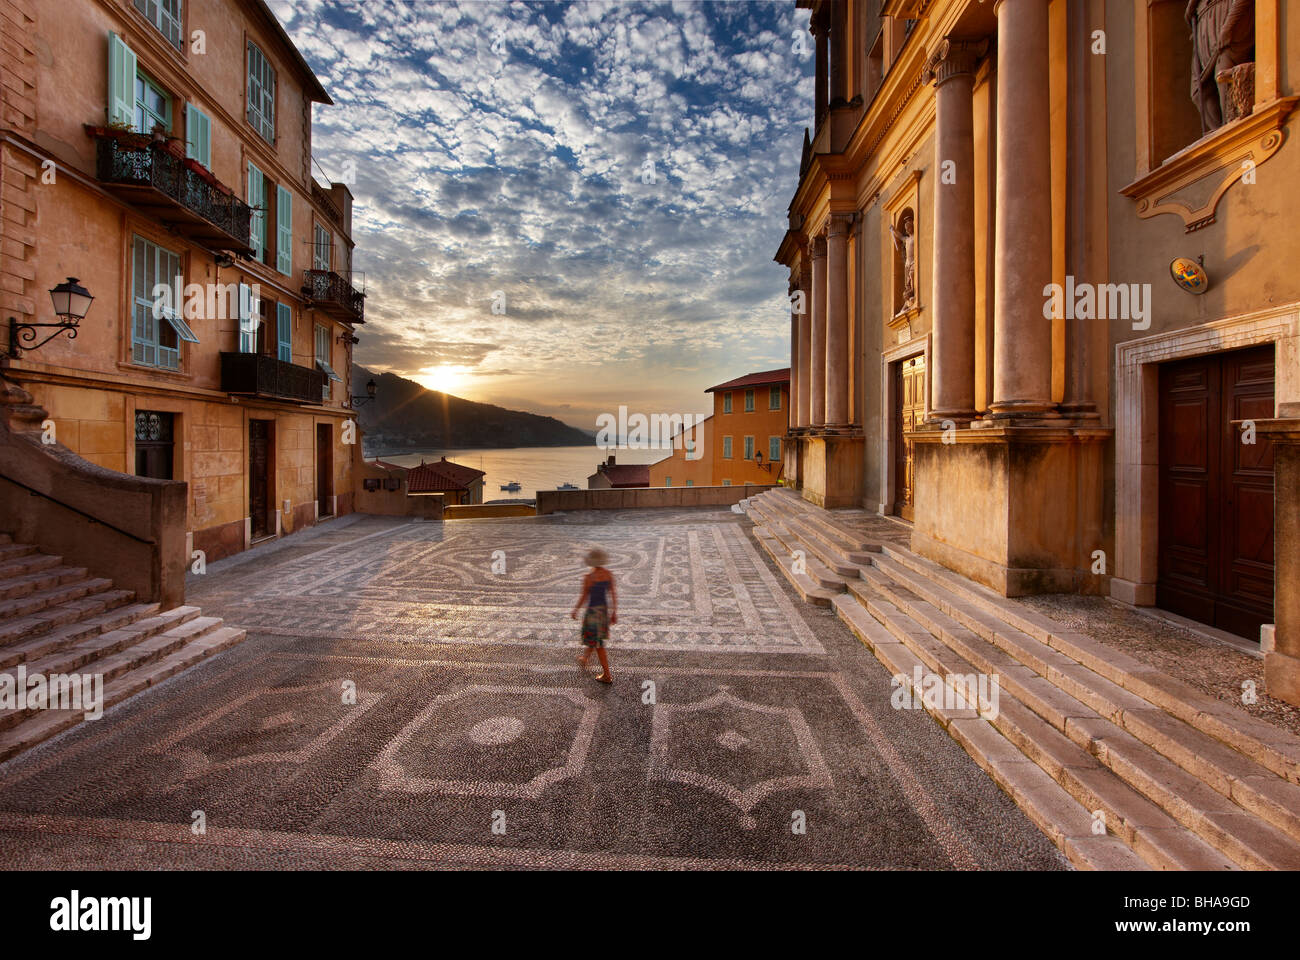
[{"x": 406, "y": 416}]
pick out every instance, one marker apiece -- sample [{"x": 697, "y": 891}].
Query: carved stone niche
[
  {"x": 1191, "y": 183},
  {"x": 901, "y": 213}
]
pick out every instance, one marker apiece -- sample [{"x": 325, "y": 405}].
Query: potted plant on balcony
[
  {"x": 121, "y": 131},
  {"x": 160, "y": 139}
]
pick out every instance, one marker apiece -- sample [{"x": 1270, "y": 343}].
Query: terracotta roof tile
[
  {"x": 440, "y": 475},
  {"x": 755, "y": 380}
]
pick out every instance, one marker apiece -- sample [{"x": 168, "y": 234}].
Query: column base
[
  {"x": 832, "y": 469},
  {"x": 1133, "y": 593},
  {"x": 959, "y": 417},
  {"x": 1022, "y": 410},
  {"x": 1282, "y": 677},
  {"x": 1016, "y": 508}
]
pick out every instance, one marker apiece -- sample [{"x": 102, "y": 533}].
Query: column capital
[
  {"x": 840, "y": 224},
  {"x": 818, "y": 248},
  {"x": 953, "y": 57}
]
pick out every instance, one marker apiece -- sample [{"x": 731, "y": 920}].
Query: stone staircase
[
  {"x": 56, "y": 619},
  {"x": 1084, "y": 736}
]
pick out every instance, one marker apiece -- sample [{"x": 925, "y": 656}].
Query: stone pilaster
[
  {"x": 817, "y": 338},
  {"x": 837, "y": 320}
]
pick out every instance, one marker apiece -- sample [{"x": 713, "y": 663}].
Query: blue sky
[{"x": 619, "y": 171}]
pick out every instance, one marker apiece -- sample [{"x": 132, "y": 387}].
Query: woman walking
[{"x": 602, "y": 610}]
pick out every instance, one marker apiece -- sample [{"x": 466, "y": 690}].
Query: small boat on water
[
  {"x": 567, "y": 486},
  {"x": 512, "y": 486}
]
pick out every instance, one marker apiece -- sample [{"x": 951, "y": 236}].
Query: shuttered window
[
  {"x": 198, "y": 135},
  {"x": 166, "y": 16},
  {"x": 773, "y": 449},
  {"x": 154, "y": 340},
  {"x": 749, "y": 448},
  {"x": 261, "y": 93},
  {"x": 726, "y": 448},
  {"x": 257, "y": 200},
  {"x": 284, "y": 332},
  {"x": 250, "y": 310},
  {"x": 121, "y": 82},
  {"x": 320, "y": 254},
  {"x": 283, "y": 230}
]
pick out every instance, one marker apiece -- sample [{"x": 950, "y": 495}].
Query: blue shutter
[
  {"x": 198, "y": 135},
  {"x": 284, "y": 331},
  {"x": 283, "y": 230},
  {"x": 121, "y": 81},
  {"x": 257, "y": 200},
  {"x": 247, "y": 323}
]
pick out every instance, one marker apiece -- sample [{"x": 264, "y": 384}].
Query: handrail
[{"x": 67, "y": 506}]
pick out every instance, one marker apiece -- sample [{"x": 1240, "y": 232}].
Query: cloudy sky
[{"x": 615, "y": 176}]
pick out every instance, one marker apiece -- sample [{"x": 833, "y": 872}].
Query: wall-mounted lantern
[
  {"x": 371, "y": 389},
  {"x": 71, "y": 303}
]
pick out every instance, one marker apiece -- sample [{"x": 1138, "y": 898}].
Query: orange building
[
  {"x": 691, "y": 463},
  {"x": 153, "y": 143},
  {"x": 750, "y": 420}
]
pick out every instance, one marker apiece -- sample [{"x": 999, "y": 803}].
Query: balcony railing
[
  {"x": 256, "y": 375},
  {"x": 166, "y": 187},
  {"x": 336, "y": 296}
]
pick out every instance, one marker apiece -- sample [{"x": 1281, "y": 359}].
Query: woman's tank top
[{"x": 598, "y": 597}]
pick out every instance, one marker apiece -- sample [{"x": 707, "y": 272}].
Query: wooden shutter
[
  {"x": 257, "y": 200},
  {"x": 121, "y": 81},
  {"x": 198, "y": 135},
  {"x": 284, "y": 332},
  {"x": 283, "y": 230}
]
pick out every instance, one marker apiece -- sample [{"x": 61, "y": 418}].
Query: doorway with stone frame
[
  {"x": 1139, "y": 443},
  {"x": 904, "y": 406}
]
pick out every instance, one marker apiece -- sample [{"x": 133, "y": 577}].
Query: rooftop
[{"x": 755, "y": 380}]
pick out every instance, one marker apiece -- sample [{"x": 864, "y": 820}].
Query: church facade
[{"x": 1044, "y": 307}]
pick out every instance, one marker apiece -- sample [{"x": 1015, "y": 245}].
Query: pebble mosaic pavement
[{"x": 470, "y": 713}]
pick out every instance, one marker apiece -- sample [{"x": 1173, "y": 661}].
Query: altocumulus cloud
[{"x": 504, "y": 146}]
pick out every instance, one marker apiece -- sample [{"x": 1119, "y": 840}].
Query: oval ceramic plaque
[{"x": 1189, "y": 275}]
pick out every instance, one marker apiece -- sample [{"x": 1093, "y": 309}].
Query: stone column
[
  {"x": 837, "y": 320},
  {"x": 952, "y": 352},
  {"x": 805, "y": 341},
  {"x": 1022, "y": 354},
  {"x": 818, "y": 27},
  {"x": 817, "y": 340},
  {"x": 792, "y": 412}
]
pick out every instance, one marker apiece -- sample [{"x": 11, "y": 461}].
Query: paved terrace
[{"x": 468, "y": 701}]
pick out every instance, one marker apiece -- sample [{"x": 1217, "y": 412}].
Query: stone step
[
  {"x": 48, "y": 723},
  {"x": 10, "y": 551},
  {"x": 984, "y": 612},
  {"x": 830, "y": 554},
  {"x": 1091, "y": 711},
  {"x": 809, "y": 590},
  {"x": 848, "y": 541},
  {"x": 27, "y": 584},
  {"x": 42, "y": 644},
  {"x": 92, "y": 655},
  {"x": 39, "y": 600},
  {"x": 800, "y": 553},
  {"x": 60, "y": 614},
  {"x": 1060, "y": 816},
  {"x": 19, "y": 566}
]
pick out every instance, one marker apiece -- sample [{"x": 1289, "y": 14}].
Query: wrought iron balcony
[
  {"x": 256, "y": 375},
  {"x": 328, "y": 291},
  {"x": 169, "y": 189}
]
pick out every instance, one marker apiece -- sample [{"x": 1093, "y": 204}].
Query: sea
[{"x": 536, "y": 468}]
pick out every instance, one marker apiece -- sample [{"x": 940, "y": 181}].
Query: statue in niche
[
  {"x": 905, "y": 242},
  {"x": 1223, "y": 37}
]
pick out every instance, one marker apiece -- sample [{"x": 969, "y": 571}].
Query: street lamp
[
  {"x": 758, "y": 459},
  {"x": 71, "y": 303},
  {"x": 371, "y": 388}
]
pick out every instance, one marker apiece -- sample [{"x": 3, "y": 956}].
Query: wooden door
[
  {"x": 1216, "y": 491},
  {"x": 259, "y": 486},
  {"x": 909, "y": 412},
  {"x": 324, "y": 469}
]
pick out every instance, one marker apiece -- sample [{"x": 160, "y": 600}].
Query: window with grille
[
  {"x": 261, "y": 93},
  {"x": 166, "y": 16},
  {"x": 154, "y": 444}
]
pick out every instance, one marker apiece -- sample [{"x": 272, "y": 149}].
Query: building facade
[
  {"x": 155, "y": 145},
  {"x": 1042, "y": 288},
  {"x": 750, "y": 417},
  {"x": 691, "y": 462}
]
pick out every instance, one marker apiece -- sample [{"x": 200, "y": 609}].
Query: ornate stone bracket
[{"x": 1191, "y": 183}]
